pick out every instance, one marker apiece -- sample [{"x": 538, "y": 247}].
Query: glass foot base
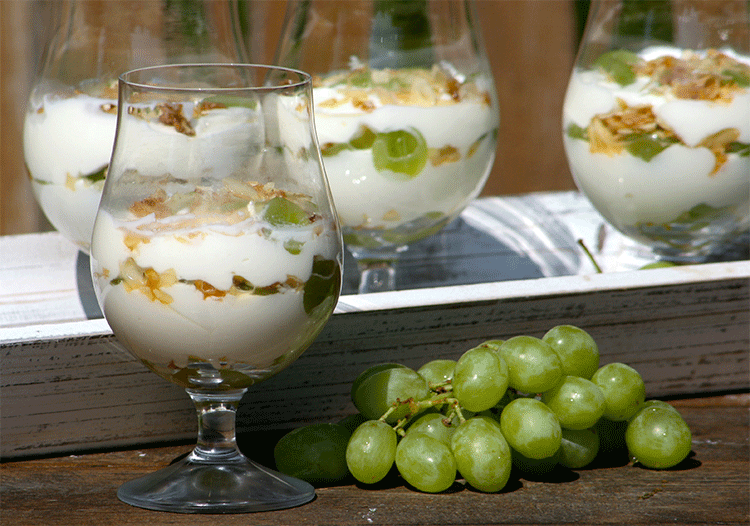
[{"x": 239, "y": 486}]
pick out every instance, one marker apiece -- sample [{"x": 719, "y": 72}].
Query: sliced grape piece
[
  {"x": 400, "y": 151},
  {"x": 280, "y": 211}
]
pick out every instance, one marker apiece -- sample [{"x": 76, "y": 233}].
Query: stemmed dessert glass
[
  {"x": 216, "y": 258},
  {"x": 656, "y": 124},
  {"x": 406, "y": 115},
  {"x": 71, "y": 114}
]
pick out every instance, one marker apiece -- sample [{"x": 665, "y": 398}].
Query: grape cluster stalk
[{"x": 524, "y": 403}]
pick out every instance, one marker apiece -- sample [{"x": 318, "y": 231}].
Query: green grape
[
  {"x": 433, "y": 424},
  {"x": 646, "y": 146},
  {"x": 531, "y": 428},
  {"x": 371, "y": 451},
  {"x": 493, "y": 344},
  {"x": 400, "y": 151},
  {"x": 618, "y": 64},
  {"x": 480, "y": 379},
  {"x": 426, "y": 463},
  {"x": 658, "y": 438},
  {"x": 314, "y": 453},
  {"x": 482, "y": 454},
  {"x": 437, "y": 371},
  {"x": 374, "y": 395},
  {"x": 578, "y": 352},
  {"x": 364, "y": 139},
  {"x": 658, "y": 264},
  {"x": 623, "y": 388},
  {"x": 577, "y": 402},
  {"x": 656, "y": 403},
  {"x": 280, "y": 211},
  {"x": 533, "y": 366},
  {"x": 578, "y": 448},
  {"x": 364, "y": 375}
]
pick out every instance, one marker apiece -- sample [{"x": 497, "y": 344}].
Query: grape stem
[
  {"x": 590, "y": 256},
  {"x": 416, "y": 407}
]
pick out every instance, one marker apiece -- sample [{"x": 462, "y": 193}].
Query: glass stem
[
  {"x": 217, "y": 413},
  {"x": 376, "y": 275}
]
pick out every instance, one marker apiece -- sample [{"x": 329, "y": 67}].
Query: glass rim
[{"x": 305, "y": 78}]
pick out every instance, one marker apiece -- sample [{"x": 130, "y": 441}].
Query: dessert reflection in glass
[
  {"x": 216, "y": 258},
  {"x": 656, "y": 124},
  {"x": 406, "y": 115},
  {"x": 71, "y": 115}
]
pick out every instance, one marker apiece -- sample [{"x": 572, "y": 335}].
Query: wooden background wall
[{"x": 531, "y": 45}]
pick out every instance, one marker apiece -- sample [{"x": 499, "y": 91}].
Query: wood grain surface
[{"x": 710, "y": 487}]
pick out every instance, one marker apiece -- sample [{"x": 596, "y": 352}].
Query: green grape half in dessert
[
  {"x": 404, "y": 149},
  {"x": 67, "y": 143},
  {"x": 659, "y": 141}
]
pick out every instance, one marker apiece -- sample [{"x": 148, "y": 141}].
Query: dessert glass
[
  {"x": 71, "y": 114},
  {"x": 406, "y": 115},
  {"x": 216, "y": 258},
  {"x": 656, "y": 124}
]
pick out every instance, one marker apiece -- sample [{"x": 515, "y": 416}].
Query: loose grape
[
  {"x": 623, "y": 388},
  {"x": 492, "y": 344},
  {"x": 656, "y": 403},
  {"x": 377, "y": 393},
  {"x": 531, "y": 428},
  {"x": 437, "y": 371},
  {"x": 426, "y": 463},
  {"x": 480, "y": 379},
  {"x": 658, "y": 264},
  {"x": 482, "y": 454},
  {"x": 658, "y": 438},
  {"x": 578, "y": 352},
  {"x": 578, "y": 448},
  {"x": 315, "y": 453},
  {"x": 364, "y": 375},
  {"x": 577, "y": 402},
  {"x": 371, "y": 451},
  {"x": 533, "y": 366},
  {"x": 433, "y": 424}
]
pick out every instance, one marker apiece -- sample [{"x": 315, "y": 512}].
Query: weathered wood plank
[
  {"x": 80, "y": 390},
  {"x": 711, "y": 487}
]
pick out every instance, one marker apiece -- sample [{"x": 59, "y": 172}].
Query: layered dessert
[
  {"x": 404, "y": 150},
  {"x": 216, "y": 286},
  {"x": 659, "y": 141},
  {"x": 67, "y": 144}
]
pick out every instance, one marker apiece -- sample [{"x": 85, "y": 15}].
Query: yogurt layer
[
  {"x": 67, "y": 143},
  {"x": 214, "y": 297},
  {"x": 403, "y": 149},
  {"x": 660, "y": 141}
]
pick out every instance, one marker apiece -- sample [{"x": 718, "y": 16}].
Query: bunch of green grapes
[{"x": 525, "y": 403}]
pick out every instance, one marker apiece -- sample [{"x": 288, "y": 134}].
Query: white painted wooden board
[
  {"x": 67, "y": 386},
  {"x": 685, "y": 330}
]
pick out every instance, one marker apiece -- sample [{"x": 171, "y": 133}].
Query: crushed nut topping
[
  {"x": 171, "y": 115},
  {"x": 714, "y": 76},
  {"x": 405, "y": 87},
  {"x": 152, "y": 284},
  {"x": 637, "y": 130},
  {"x": 444, "y": 155},
  {"x": 231, "y": 203}
]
